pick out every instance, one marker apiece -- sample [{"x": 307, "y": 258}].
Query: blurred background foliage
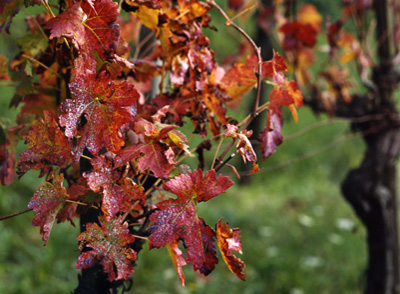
[{"x": 299, "y": 235}]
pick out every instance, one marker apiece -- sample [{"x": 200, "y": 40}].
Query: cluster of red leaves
[
  {"x": 89, "y": 119},
  {"x": 298, "y": 34},
  {"x": 177, "y": 219}
]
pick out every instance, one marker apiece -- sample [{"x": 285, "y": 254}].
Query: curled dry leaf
[
  {"x": 177, "y": 259},
  {"x": 228, "y": 240}
]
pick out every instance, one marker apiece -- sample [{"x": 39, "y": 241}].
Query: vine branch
[
  {"x": 257, "y": 51},
  {"x": 14, "y": 214}
]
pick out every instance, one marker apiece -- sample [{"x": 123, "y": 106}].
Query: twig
[
  {"x": 41, "y": 64},
  {"x": 219, "y": 159},
  {"x": 14, "y": 214},
  {"x": 141, "y": 44},
  {"x": 319, "y": 150},
  {"x": 8, "y": 85},
  {"x": 140, "y": 237},
  {"x": 246, "y": 121},
  {"x": 361, "y": 119},
  {"x": 216, "y": 152},
  {"x": 76, "y": 202},
  {"x": 225, "y": 162},
  {"x": 244, "y": 11},
  {"x": 46, "y": 5},
  {"x": 130, "y": 209},
  {"x": 153, "y": 187},
  {"x": 86, "y": 157},
  {"x": 257, "y": 51}
]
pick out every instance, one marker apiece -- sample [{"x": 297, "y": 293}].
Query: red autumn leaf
[
  {"x": 177, "y": 219},
  {"x": 195, "y": 186},
  {"x": 7, "y": 164},
  {"x": 149, "y": 156},
  {"x": 296, "y": 32},
  {"x": 118, "y": 195},
  {"x": 109, "y": 243},
  {"x": 228, "y": 240},
  {"x": 34, "y": 104},
  {"x": 271, "y": 136},
  {"x": 201, "y": 59},
  {"x": 240, "y": 79},
  {"x": 274, "y": 66},
  {"x": 69, "y": 209},
  {"x": 286, "y": 95},
  {"x": 153, "y": 131},
  {"x": 145, "y": 70},
  {"x": 47, "y": 146},
  {"x": 153, "y": 152},
  {"x": 178, "y": 106},
  {"x": 283, "y": 94},
  {"x": 7, "y": 158},
  {"x": 178, "y": 260},
  {"x": 91, "y": 28},
  {"x": 236, "y": 5},
  {"x": 47, "y": 201},
  {"x": 100, "y": 108}
]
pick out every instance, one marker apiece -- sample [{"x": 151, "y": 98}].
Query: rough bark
[{"x": 371, "y": 188}]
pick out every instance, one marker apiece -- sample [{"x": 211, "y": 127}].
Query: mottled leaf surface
[
  {"x": 177, "y": 219},
  {"x": 149, "y": 156},
  {"x": 118, "y": 194},
  {"x": 91, "y": 28},
  {"x": 100, "y": 107},
  {"x": 109, "y": 245},
  {"x": 46, "y": 202},
  {"x": 47, "y": 146}
]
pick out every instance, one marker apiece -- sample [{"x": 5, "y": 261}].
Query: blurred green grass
[{"x": 298, "y": 234}]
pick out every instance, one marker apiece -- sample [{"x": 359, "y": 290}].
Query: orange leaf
[
  {"x": 177, "y": 259},
  {"x": 240, "y": 79},
  {"x": 148, "y": 16},
  {"x": 4, "y": 68},
  {"x": 216, "y": 106},
  {"x": 228, "y": 240},
  {"x": 308, "y": 14}
]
